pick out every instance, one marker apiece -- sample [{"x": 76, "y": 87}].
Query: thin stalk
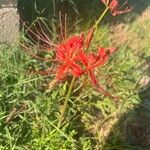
[
  {"x": 63, "y": 110},
  {"x": 92, "y": 30},
  {"x": 101, "y": 17}
]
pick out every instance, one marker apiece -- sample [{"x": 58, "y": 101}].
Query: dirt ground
[{"x": 136, "y": 34}]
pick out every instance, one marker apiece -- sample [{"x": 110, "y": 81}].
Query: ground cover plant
[{"x": 30, "y": 113}]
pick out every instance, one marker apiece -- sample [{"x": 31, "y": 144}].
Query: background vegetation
[{"x": 29, "y": 113}]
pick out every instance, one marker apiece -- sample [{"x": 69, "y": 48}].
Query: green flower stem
[
  {"x": 63, "y": 110},
  {"x": 100, "y": 18},
  {"x": 95, "y": 27}
]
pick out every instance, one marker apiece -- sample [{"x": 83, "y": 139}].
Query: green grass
[{"x": 29, "y": 115}]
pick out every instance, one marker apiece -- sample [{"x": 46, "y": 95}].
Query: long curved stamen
[
  {"x": 61, "y": 26},
  {"x": 35, "y": 56},
  {"x": 29, "y": 29}
]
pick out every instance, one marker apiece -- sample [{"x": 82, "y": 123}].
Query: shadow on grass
[
  {"x": 132, "y": 131},
  {"x": 87, "y": 10}
]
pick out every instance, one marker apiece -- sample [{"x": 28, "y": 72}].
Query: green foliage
[
  {"x": 29, "y": 114},
  {"x": 31, "y": 9},
  {"x": 76, "y": 10}
]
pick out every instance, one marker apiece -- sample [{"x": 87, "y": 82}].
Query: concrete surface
[{"x": 9, "y": 21}]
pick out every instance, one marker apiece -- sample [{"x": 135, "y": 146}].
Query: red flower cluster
[
  {"x": 74, "y": 60},
  {"x": 115, "y": 7},
  {"x": 67, "y": 55},
  {"x": 71, "y": 56}
]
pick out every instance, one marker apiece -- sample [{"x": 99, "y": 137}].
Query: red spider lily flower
[
  {"x": 67, "y": 54},
  {"x": 115, "y": 7},
  {"x": 92, "y": 61}
]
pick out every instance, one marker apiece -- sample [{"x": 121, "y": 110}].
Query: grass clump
[{"x": 29, "y": 114}]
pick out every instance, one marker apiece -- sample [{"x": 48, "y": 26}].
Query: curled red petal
[
  {"x": 93, "y": 78},
  {"x": 83, "y": 58},
  {"x": 60, "y": 55},
  {"x": 99, "y": 87},
  {"x": 116, "y": 9},
  {"x": 75, "y": 42},
  {"x": 103, "y": 52},
  {"x": 61, "y": 71},
  {"x": 76, "y": 70},
  {"x": 119, "y": 12}
]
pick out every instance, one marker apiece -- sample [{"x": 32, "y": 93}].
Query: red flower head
[
  {"x": 115, "y": 7},
  {"x": 73, "y": 59},
  {"x": 67, "y": 54},
  {"x": 92, "y": 61}
]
